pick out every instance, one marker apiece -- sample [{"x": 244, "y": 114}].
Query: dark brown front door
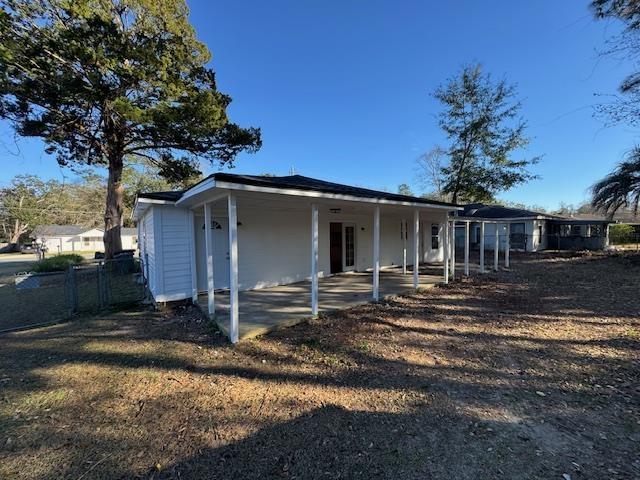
[{"x": 335, "y": 246}]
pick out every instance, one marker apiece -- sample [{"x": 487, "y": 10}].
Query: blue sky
[{"x": 341, "y": 89}]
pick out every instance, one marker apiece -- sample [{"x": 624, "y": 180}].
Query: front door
[
  {"x": 335, "y": 247},
  {"x": 518, "y": 238},
  {"x": 349, "y": 242},
  {"x": 220, "y": 253}
]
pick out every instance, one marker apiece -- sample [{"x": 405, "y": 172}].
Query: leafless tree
[{"x": 429, "y": 172}]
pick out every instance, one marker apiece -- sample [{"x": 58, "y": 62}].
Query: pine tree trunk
[{"x": 113, "y": 213}]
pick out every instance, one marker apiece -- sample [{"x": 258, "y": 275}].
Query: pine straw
[{"x": 531, "y": 373}]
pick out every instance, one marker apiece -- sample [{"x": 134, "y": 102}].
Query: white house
[
  {"x": 74, "y": 238},
  {"x": 242, "y": 233}
]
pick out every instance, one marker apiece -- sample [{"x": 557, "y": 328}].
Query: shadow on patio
[{"x": 267, "y": 309}]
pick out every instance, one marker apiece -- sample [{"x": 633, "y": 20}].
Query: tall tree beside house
[
  {"x": 621, "y": 188},
  {"x": 481, "y": 119},
  {"x": 104, "y": 82}
]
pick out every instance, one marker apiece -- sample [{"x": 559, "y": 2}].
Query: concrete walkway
[{"x": 268, "y": 309}]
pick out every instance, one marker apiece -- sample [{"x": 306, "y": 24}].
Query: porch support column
[
  {"x": 496, "y": 248},
  {"x": 466, "y": 248},
  {"x": 376, "y": 253},
  {"x": 507, "y": 247},
  {"x": 314, "y": 259},
  {"x": 416, "y": 248},
  {"x": 404, "y": 233},
  {"x": 445, "y": 246},
  {"x": 233, "y": 268},
  {"x": 481, "y": 247},
  {"x": 208, "y": 242},
  {"x": 192, "y": 248},
  {"x": 452, "y": 246}
]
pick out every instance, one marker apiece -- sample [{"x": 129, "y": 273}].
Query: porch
[{"x": 267, "y": 309}]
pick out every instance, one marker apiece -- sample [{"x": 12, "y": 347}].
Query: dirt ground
[{"x": 531, "y": 373}]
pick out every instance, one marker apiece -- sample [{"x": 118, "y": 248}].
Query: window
[
  {"x": 87, "y": 241},
  {"x": 350, "y": 245},
  {"x": 575, "y": 230},
  {"x": 435, "y": 236}
]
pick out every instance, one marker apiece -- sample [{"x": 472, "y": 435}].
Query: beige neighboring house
[{"x": 74, "y": 238}]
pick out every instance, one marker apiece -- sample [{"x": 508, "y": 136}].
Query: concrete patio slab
[{"x": 267, "y": 309}]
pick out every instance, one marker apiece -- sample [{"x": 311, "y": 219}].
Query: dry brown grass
[{"x": 531, "y": 373}]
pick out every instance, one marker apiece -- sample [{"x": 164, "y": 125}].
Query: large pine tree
[{"x": 102, "y": 82}]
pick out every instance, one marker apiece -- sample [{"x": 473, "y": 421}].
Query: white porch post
[
  {"x": 452, "y": 245},
  {"x": 314, "y": 259},
  {"x": 376, "y": 253},
  {"x": 496, "y": 248},
  {"x": 233, "y": 268},
  {"x": 416, "y": 248},
  {"x": 403, "y": 230},
  {"x": 445, "y": 246},
  {"x": 481, "y": 247},
  {"x": 208, "y": 242},
  {"x": 466, "y": 248},
  {"x": 507, "y": 247},
  {"x": 192, "y": 248}
]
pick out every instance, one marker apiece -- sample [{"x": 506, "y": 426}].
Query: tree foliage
[
  {"x": 429, "y": 173},
  {"x": 481, "y": 119},
  {"x": 621, "y": 188},
  {"x": 26, "y": 203},
  {"x": 405, "y": 189},
  {"x": 103, "y": 82}
]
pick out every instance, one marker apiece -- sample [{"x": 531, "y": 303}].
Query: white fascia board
[
  {"x": 329, "y": 196},
  {"x": 203, "y": 186},
  {"x": 498, "y": 220},
  {"x": 142, "y": 204}
]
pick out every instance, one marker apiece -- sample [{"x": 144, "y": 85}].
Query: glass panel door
[{"x": 349, "y": 247}]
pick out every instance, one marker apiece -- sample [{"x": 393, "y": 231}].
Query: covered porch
[
  {"x": 268, "y": 309},
  {"x": 270, "y": 252}
]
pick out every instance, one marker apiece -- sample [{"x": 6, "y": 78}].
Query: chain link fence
[
  {"x": 625, "y": 240},
  {"x": 30, "y": 299}
]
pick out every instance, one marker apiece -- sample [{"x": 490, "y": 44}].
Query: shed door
[
  {"x": 518, "y": 238},
  {"x": 220, "y": 253}
]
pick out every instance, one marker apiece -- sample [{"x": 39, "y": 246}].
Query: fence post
[
  {"x": 102, "y": 297},
  {"x": 72, "y": 291}
]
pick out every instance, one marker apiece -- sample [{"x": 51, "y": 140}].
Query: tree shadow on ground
[{"x": 458, "y": 382}]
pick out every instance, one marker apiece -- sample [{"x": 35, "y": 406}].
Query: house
[
  {"x": 251, "y": 247},
  {"x": 75, "y": 238},
  {"x": 530, "y": 231}
]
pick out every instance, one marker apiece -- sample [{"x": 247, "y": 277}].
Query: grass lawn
[{"x": 532, "y": 373}]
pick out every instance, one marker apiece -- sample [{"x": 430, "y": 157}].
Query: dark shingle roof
[
  {"x": 299, "y": 182},
  {"x": 480, "y": 210},
  {"x": 171, "y": 196}
]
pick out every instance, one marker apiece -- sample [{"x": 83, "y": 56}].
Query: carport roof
[{"x": 495, "y": 212}]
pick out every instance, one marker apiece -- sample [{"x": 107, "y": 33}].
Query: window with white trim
[{"x": 435, "y": 236}]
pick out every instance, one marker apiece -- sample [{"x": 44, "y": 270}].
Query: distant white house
[{"x": 74, "y": 238}]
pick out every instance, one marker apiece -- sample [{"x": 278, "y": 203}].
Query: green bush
[
  {"x": 59, "y": 263},
  {"x": 621, "y": 233}
]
